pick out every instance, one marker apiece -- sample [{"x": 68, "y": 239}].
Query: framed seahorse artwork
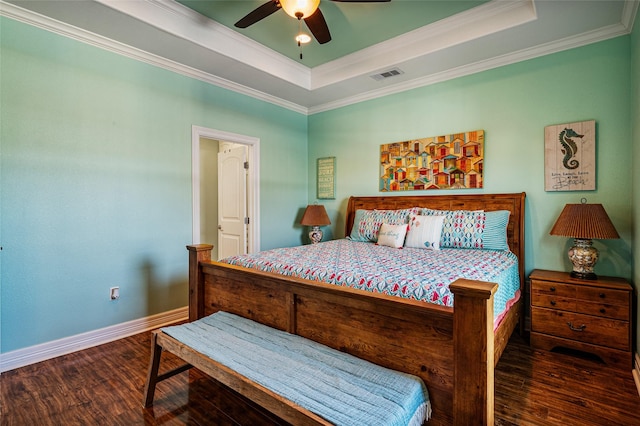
[{"x": 570, "y": 157}]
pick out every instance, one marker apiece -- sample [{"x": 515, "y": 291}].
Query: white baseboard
[
  {"x": 55, "y": 348},
  {"x": 636, "y": 372}
]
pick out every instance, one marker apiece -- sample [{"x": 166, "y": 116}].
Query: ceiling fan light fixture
[
  {"x": 300, "y": 9},
  {"x": 303, "y": 38}
]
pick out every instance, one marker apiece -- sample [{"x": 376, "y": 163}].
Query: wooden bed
[{"x": 454, "y": 350}]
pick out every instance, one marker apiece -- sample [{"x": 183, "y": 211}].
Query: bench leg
[
  {"x": 152, "y": 376},
  {"x": 154, "y": 366}
]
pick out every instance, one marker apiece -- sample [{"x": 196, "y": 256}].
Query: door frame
[{"x": 253, "y": 180}]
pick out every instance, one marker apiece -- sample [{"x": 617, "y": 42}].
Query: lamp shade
[
  {"x": 315, "y": 215},
  {"x": 584, "y": 221}
]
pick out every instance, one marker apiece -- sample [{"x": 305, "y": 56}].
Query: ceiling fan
[{"x": 306, "y": 10}]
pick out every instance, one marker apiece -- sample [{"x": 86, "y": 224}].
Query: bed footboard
[
  {"x": 473, "y": 351},
  {"x": 451, "y": 350}
]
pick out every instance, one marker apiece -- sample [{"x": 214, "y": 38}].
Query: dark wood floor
[{"x": 103, "y": 386}]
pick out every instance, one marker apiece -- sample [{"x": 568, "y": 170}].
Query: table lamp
[
  {"x": 315, "y": 216},
  {"x": 584, "y": 222}
]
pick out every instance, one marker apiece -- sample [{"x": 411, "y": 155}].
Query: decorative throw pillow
[
  {"x": 372, "y": 220},
  {"x": 424, "y": 232},
  {"x": 392, "y": 235}
]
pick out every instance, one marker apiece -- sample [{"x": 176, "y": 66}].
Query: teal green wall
[
  {"x": 513, "y": 104},
  {"x": 96, "y": 182},
  {"x": 95, "y": 177},
  {"x": 635, "y": 123}
]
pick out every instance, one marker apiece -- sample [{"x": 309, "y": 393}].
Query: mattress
[{"x": 411, "y": 273}]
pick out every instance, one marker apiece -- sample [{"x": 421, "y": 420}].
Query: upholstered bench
[{"x": 299, "y": 380}]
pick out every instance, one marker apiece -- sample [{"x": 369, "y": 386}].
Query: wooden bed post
[
  {"x": 473, "y": 351},
  {"x": 197, "y": 253}
]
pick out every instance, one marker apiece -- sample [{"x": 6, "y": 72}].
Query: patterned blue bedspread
[
  {"x": 337, "y": 386},
  {"x": 408, "y": 272}
]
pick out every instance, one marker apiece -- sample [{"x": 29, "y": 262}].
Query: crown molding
[
  {"x": 579, "y": 40},
  {"x": 365, "y": 61},
  {"x": 17, "y": 13},
  {"x": 629, "y": 12},
  {"x": 480, "y": 21},
  {"x": 176, "y": 19}
]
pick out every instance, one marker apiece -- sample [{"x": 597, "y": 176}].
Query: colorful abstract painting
[{"x": 441, "y": 162}]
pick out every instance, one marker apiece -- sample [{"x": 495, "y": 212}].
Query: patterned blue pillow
[
  {"x": 473, "y": 229},
  {"x": 368, "y": 225},
  {"x": 461, "y": 228},
  {"x": 355, "y": 229}
]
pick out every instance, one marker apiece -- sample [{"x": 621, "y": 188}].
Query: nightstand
[{"x": 592, "y": 316}]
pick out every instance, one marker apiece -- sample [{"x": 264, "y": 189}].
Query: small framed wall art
[
  {"x": 570, "y": 156},
  {"x": 326, "y": 179}
]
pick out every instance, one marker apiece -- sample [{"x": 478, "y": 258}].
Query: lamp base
[
  {"x": 315, "y": 235},
  {"x": 581, "y": 276},
  {"x": 584, "y": 257}
]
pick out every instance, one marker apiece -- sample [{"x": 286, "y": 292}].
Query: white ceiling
[{"x": 168, "y": 34}]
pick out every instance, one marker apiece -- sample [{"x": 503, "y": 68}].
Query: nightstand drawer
[
  {"x": 584, "y": 328},
  {"x": 553, "y": 302},
  {"x": 603, "y": 295},
  {"x": 553, "y": 289},
  {"x": 619, "y": 312}
]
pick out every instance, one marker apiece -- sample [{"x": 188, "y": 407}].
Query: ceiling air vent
[{"x": 387, "y": 74}]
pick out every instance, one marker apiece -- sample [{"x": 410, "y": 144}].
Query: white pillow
[
  {"x": 392, "y": 235},
  {"x": 424, "y": 232}
]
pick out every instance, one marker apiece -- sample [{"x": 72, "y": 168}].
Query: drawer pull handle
[
  {"x": 574, "y": 328},
  {"x": 552, "y": 289},
  {"x": 603, "y": 310},
  {"x": 602, "y": 295},
  {"x": 553, "y": 303}
]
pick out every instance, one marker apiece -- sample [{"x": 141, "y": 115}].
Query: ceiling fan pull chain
[{"x": 299, "y": 34}]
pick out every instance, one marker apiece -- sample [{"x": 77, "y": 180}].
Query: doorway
[{"x": 206, "y": 143}]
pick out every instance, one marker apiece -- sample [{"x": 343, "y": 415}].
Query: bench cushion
[{"x": 343, "y": 389}]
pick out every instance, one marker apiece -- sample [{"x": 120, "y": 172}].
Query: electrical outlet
[{"x": 114, "y": 293}]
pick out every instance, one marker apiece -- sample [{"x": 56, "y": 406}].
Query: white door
[{"x": 232, "y": 202}]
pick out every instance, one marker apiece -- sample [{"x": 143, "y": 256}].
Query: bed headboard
[{"x": 488, "y": 202}]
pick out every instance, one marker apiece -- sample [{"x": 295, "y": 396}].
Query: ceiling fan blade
[
  {"x": 258, "y": 14},
  {"x": 318, "y": 27}
]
